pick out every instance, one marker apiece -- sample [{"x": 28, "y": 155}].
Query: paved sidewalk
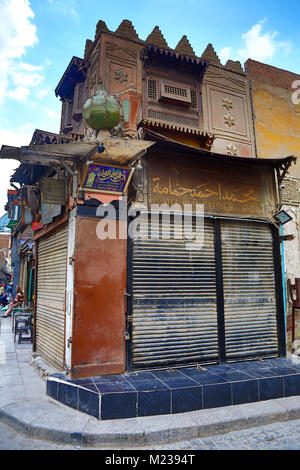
[{"x": 25, "y": 407}]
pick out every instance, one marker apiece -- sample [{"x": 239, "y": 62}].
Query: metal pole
[{"x": 283, "y": 278}]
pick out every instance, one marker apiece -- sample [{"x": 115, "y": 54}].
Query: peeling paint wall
[{"x": 277, "y": 123}]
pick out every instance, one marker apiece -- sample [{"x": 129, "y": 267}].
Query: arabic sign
[
  {"x": 106, "y": 178},
  {"x": 223, "y": 188}
]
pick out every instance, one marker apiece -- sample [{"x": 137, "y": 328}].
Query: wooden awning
[{"x": 281, "y": 164}]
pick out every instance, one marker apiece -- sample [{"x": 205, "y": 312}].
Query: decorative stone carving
[
  {"x": 127, "y": 30},
  {"x": 88, "y": 46},
  {"x": 231, "y": 150},
  {"x": 184, "y": 47},
  {"x": 227, "y": 103},
  {"x": 156, "y": 38},
  {"x": 101, "y": 26},
  {"x": 210, "y": 55},
  {"x": 235, "y": 66},
  {"x": 229, "y": 120},
  {"x": 121, "y": 75}
]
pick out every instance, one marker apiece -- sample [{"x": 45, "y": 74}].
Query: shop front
[{"x": 215, "y": 298}]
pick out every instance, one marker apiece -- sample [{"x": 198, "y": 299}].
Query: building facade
[
  {"x": 277, "y": 131},
  {"x": 183, "y": 151}
]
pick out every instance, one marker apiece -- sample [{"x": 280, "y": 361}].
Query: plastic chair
[
  {"x": 17, "y": 312},
  {"x": 18, "y": 325}
]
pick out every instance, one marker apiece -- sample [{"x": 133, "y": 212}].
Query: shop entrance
[{"x": 219, "y": 303}]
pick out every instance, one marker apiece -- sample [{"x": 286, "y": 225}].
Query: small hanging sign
[
  {"x": 106, "y": 178},
  {"x": 49, "y": 211},
  {"x": 53, "y": 191}
]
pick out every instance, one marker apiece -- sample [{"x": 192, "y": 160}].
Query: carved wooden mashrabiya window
[{"x": 152, "y": 89}]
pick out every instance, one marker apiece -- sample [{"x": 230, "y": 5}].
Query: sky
[{"x": 38, "y": 38}]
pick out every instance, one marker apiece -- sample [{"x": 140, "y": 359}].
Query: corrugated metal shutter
[
  {"x": 249, "y": 290},
  {"x": 174, "y": 315},
  {"x": 51, "y": 289}
]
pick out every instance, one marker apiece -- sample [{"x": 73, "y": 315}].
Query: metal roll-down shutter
[
  {"x": 249, "y": 290},
  {"x": 51, "y": 291},
  {"x": 174, "y": 314}
]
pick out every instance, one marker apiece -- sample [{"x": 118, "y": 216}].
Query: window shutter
[
  {"x": 152, "y": 89},
  {"x": 194, "y": 103},
  {"x": 176, "y": 92}
]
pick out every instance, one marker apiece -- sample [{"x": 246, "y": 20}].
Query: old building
[
  {"x": 185, "y": 138},
  {"x": 277, "y": 132}
]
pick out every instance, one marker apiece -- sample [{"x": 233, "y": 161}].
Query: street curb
[{"x": 164, "y": 428}]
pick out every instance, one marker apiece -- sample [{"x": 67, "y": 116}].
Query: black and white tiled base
[{"x": 158, "y": 392}]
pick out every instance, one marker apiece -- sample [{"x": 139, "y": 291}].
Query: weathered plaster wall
[
  {"x": 277, "y": 122},
  {"x": 277, "y": 131}
]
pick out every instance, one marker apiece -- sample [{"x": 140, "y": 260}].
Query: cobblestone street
[{"x": 278, "y": 436}]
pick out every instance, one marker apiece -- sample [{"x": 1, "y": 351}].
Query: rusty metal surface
[
  {"x": 98, "y": 345},
  {"x": 249, "y": 290},
  {"x": 174, "y": 318},
  {"x": 51, "y": 292},
  {"x": 223, "y": 188}
]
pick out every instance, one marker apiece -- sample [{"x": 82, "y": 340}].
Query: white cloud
[
  {"x": 258, "y": 45},
  {"x": 7, "y": 168},
  {"x": 17, "y": 33},
  {"x": 43, "y": 92},
  {"x": 26, "y": 74},
  {"x": 29, "y": 67},
  {"x": 52, "y": 114},
  {"x": 20, "y": 93},
  {"x": 67, "y": 8},
  {"x": 73, "y": 13},
  {"x": 22, "y": 136},
  {"x": 225, "y": 54}
]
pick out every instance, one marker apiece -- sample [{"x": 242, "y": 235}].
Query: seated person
[{"x": 17, "y": 302}]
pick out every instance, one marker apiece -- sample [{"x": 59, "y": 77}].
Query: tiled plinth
[{"x": 158, "y": 392}]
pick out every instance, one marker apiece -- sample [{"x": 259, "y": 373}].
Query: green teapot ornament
[{"x": 102, "y": 110}]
